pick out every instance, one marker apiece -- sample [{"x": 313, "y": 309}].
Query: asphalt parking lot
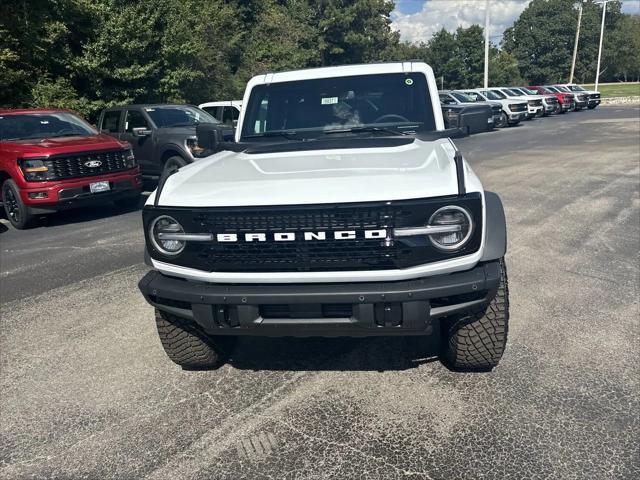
[{"x": 87, "y": 392}]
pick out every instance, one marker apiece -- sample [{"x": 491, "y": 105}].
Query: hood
[
  {"x": 526, "y": 98},
  {"x": 416, "y": 170},
  {"x": 54, "y": 146}
]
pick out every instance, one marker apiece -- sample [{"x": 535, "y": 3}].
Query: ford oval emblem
[{"x": 93, "y": 163}]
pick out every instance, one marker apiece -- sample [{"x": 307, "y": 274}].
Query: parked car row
[
  {"x": 478, "y": 110},
  {"x": 51, "y": 159}
]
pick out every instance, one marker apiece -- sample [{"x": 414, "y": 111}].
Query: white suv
[
  {"x": 513, "y": 111},
  {"x": 341, "y": 209},
  {"x": 226, "y": 112},
  {"x": 534, "y": 103}
]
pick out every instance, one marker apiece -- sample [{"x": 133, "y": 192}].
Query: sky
[{"x": 418, "y": 20}]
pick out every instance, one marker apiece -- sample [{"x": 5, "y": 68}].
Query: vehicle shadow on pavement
[
  {"x": 87, "y": 214},
  {"x": 333, "y": 354}
]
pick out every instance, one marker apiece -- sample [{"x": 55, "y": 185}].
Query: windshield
[
  {"x": 43, "y": 125},
  {"x": 462, "y": 97},
  {"x": 528, "y": 91},
  {"x": 308, "y": 108},
  {"x": 563, "y": 89},
  {"x": 178, "y": 116},
  {"x": 511, "y": 93},
  {"x": 576, "y": 88},
  {"x": 551, "y": 89},
  {"x": 495, "y": 94},
  {"x": 517, "y": 91}
]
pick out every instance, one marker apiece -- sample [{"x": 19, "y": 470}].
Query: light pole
[
  {"x": 604, "y": 11},
  {"x": 575, "y": 44},
  {"x": 486, "y": 45}
]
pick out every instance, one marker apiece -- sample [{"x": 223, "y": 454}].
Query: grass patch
[{"x": 617, "y": 90}]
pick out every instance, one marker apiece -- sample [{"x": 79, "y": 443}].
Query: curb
[{"x": 621, "y": 101}]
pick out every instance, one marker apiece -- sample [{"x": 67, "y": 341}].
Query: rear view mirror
[
  {"x": 140, "y": 132},
  {"x": 209, "y": 135}
]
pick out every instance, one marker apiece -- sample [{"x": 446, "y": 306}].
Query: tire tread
[
  {"x": 477, "y": 341},
  {"x": 184, "y": 345}
]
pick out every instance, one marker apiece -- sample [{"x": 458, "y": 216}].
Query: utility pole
[
  {"x": 575, "y": 44},
  {"x": 486, "y": 44},
  {"x": 604, "y": 11}
]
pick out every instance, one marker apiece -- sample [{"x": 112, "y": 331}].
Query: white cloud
[{"x": 451, "y": 14}]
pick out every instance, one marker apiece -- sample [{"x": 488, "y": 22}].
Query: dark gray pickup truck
[{"x": 162, "y": 136}]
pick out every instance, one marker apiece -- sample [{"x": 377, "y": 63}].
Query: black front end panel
[
  {"x": 412, "y": 307},
  {"x": 302, "y": 255}
]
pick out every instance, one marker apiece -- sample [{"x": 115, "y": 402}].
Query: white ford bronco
[{"x": 342, "y": 208}]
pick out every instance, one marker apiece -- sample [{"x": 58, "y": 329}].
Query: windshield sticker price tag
[
  {"x": 329, "y": 100},
  {"x": 149, "y": 109}
]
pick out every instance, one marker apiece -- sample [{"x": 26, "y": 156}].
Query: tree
[
  {"x": 503, "y": 68},
  {"x": 353, "y": 31},
  {"x": 39, "y": 39},
  {"x": 542, "y": 39},
  {"x": 621, "y": 53}
]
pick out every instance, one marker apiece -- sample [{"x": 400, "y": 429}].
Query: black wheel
[
  {"x": 175, "y": 161},
  {"x": 558, "y": 109},
  {"x": 187, "y": 346},
  {"x": 591, "y": 107},
  {"x": 477, "y": 341},
  {"x": 127, "y": 202},
  {"x": 17, "y": 212},
  {"x": 504, "y": 120}
]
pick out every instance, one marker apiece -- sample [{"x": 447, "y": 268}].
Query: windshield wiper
[
  {"x": 364, "y": 129},
  {"x": 289, "y": 135},
  {"x": 68, "y": 134}
]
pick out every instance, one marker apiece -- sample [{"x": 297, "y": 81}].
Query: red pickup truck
[
  {"x": 566, "y": 101},
  {"x": 51, "y": 159}
]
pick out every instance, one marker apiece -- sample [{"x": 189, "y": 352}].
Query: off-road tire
[
  {"x": 477, "y": 341},
  {"x": 188, "y": 347}
]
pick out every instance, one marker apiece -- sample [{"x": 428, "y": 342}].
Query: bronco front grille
[
  {"x": 309, "y": 256},
  {"x": 77, "y": 165}
]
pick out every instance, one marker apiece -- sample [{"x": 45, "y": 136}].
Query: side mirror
[
  {"x": 456, "y": 132},
  {"x": 140, "y": 132},
  {"x": 209, "y": 135}
]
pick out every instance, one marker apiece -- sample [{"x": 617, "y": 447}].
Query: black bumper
[
  {"x": 341, "y": 309},
  {"x": 78, "y": 197}
]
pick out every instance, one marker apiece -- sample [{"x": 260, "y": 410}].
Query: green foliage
[
  {"x": 503, "y": 69},
  {"x": 542, "y": 39},
  {"x": 622, "y": 50}
]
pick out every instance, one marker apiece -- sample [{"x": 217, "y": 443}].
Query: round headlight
[
  {"x": 162, "y": 230},
  {"x": 451, "y": 215}
]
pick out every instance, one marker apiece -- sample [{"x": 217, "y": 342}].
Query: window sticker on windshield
[
  {"x": 329, "y": 100},
  {"x": 149, "y": 109},
  {"x": 409, "y": 81}
]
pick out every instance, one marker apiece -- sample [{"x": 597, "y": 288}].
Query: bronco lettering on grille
[{"x": 306, "y": 236}]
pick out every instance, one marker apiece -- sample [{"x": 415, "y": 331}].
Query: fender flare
[
  {"x": 174, "y": 147},
  {"x": 495, "y": 237}
]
